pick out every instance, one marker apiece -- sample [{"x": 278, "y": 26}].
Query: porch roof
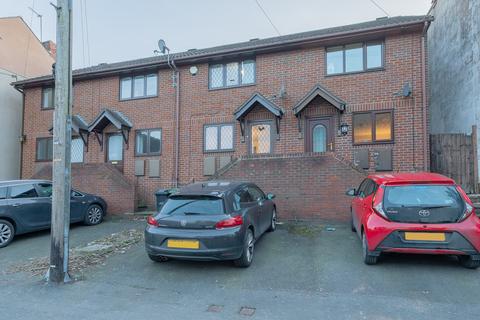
[
  {"x": 316, "y": 91},
  {"x": 78, "y": 124},
  {"x": 245, "y": 108},
  {"x": 108, "y": 116}
]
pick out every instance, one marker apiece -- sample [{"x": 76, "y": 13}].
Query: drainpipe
[
  {"x": 21, "y": 130},
  {"x": 176, "y": 83},
  {"x": 424, "y": 96}
]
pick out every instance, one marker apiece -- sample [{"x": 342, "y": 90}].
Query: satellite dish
[
  {"x": 162, "y": 46},
  {"x": 407, "y": 90}
]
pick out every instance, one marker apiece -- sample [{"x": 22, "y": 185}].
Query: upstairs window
[
  {"x": 47, "y": 98},
  {"x": 148, "y": 142},
  {"x": 357, "y": 57},
  {"x": 140, "y": 86},
  {"x": 372, "y": 127},
  {"x": 218, "y": 137},
  {"x": 44, "y": 149},
  {"x": 232, "y": 74}
]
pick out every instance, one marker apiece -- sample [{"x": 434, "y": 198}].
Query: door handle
[
  {"x": 16, "y": 204},
  {"x": 330, "y": 146}
]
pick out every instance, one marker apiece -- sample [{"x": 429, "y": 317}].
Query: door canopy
[
  {"x": 113, "y": 117},
  {"x": 252, "y": 102}
]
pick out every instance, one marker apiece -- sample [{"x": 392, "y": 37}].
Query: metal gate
[{"x": 455, "y": 155}]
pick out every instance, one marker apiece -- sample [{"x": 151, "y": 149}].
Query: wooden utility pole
[{"x": 62, "y": 135}]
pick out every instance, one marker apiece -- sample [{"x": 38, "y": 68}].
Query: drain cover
[
  {"x": 214, "y": 308},
  {"x": 247, "y": 311}
]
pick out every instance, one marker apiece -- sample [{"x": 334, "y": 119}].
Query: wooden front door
[
  {"x": 114, "y": 154},
  {"x": 319, "y": 135}
]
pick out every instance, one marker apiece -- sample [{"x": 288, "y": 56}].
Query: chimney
[{"x": 51, "y": 48}]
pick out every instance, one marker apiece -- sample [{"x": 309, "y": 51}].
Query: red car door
[{"x": 357, "y": 206}]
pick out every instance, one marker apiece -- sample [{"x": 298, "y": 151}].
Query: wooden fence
[{"x": 455, "y": 155}]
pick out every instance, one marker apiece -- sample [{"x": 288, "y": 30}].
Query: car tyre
[
  {"x": 468, "y": 262},
  {"x": 158, "y": 258},
  {"x": 94, "y": 215},
  {"x": 352, "y": 226},
  {"x": 248, "y": 248},
  {"x": 273, "y": 223},
  {"x": 368, "y": 257},
  {"x": 7, "y": 232}
]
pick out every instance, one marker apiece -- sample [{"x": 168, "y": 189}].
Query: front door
[
  {"x": 319, "y": 135},
  {"x": 261, "y": 137},
  {"x": 115, "y": 150}
]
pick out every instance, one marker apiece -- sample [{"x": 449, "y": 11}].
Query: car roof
[
  {"x": 213, "y": 188},
  {"x": 6, "y": 183},
  {"x": 410, "y": 178}
]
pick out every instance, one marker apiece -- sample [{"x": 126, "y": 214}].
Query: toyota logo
[
  {"x": 423, "y": 213},
  {"x": 183, "y": 223}
]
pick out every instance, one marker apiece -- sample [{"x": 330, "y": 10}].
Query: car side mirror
[
  {"x": 351, "y": 192},
  {"x": 270, "y": 196}
]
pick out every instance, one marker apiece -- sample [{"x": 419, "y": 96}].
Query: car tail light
[
  {"x": 229, "y": 223},
  {"x": 152, "y": 221},
  {"x": 468, "y": 211},
  {"x": 377, "y": 203}
]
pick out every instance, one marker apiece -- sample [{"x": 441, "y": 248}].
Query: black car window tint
[
  {"x": 361, "y": 188},
  {"x": 255, "y": 194},
  {"x": 244, "y": 196},
  {"x": 23, "y": 191},
  {"x": 3, "y": 193},
  {"x": 370, "y": 186},
  {"x": 44, "y": 190}
]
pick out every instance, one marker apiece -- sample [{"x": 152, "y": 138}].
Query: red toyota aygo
[{"x": 423, "y": 213}]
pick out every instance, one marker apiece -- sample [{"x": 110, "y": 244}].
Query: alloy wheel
[
  {"x": 94, "y": 215},
  {"x": 250, "y": 246},
  {"x": 274, "y": 219},
  {"x": 5, "y": 233}
]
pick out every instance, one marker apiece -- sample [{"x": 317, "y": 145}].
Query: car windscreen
[
  {"x": 207, "y": 205},
  {"x": 423, "y": 203}
]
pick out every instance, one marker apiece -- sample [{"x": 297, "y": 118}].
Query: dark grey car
[
  {"x": 26, "y": 206},
  {"x": 217, "y": 220}
]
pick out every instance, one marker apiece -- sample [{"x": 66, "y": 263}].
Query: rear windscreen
[
  {"x": 422, "y": 196},
  {"x": 423, "y": 204},
  {"x": 193, "y": 205}
]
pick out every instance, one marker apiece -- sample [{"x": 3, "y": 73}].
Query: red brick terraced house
[{"x": 305, "y": 116}]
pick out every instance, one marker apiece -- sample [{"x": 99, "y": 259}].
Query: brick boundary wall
[
  {"x": 103, "y": 180},
  {"x": 307, "y": 186}
]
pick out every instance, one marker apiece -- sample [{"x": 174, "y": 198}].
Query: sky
[{"x": 118, "y": 30}]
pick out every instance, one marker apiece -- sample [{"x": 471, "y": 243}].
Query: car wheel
[
  {"x": 94, "y": 215},
  {"x": 469, "y": 262},
  {"x": 7, "y": 231},
  {"x": 352, "y": 225},
  {"x": 158, "y": 258},
  {"x": 368, "y": 258},
  {"x": 248, "y": 247},
  {"x": 273, "y": 223}
]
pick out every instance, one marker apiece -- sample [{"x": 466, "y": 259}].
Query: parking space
[{"x": 298, "y": 272}]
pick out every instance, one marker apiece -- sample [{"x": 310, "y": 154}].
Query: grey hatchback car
[
  {"x": 26, "y": 206},
  {"x": 216, "y": 220}
]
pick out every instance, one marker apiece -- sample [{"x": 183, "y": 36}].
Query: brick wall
[
  {"x": 298, "y": 71},
  {"x": 103, "y": 180},
  {"x": 307, "y": 187}
]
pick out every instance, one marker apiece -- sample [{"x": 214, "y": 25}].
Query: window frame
[
  {"x": 365, "y": 44},
  {"x": 219, "y": 136},
  {"x": 83, "y": 149},
  {"x": 42, "y": 107},
  {"x": 373, "y": 115},
  {"x": 132, "y": 86},
  {"x": 224, "y": 74},
  {"x": 36, "y": 149},
  {"x": 148, "y": 154}
]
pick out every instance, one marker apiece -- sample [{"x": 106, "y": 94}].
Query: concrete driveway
[{"x": 297, "y": 273}]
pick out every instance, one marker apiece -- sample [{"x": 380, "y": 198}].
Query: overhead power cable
[
  {"x": 268, "y": 18},
  {"x": 379, "y": 7}
]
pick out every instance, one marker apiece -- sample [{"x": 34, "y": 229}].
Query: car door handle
[{"x": 16, "y": 204}]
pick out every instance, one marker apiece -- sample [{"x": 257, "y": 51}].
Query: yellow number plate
[
  {"x": 424, "y": 236},
  {"x": 184, "y": 244}
]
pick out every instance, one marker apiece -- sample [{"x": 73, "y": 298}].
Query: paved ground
[{"x": 297, "y": 274}]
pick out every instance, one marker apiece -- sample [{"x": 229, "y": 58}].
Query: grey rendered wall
[
  {"x": 10, "y": 127},
  {"x": 454, "y": 66}
]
